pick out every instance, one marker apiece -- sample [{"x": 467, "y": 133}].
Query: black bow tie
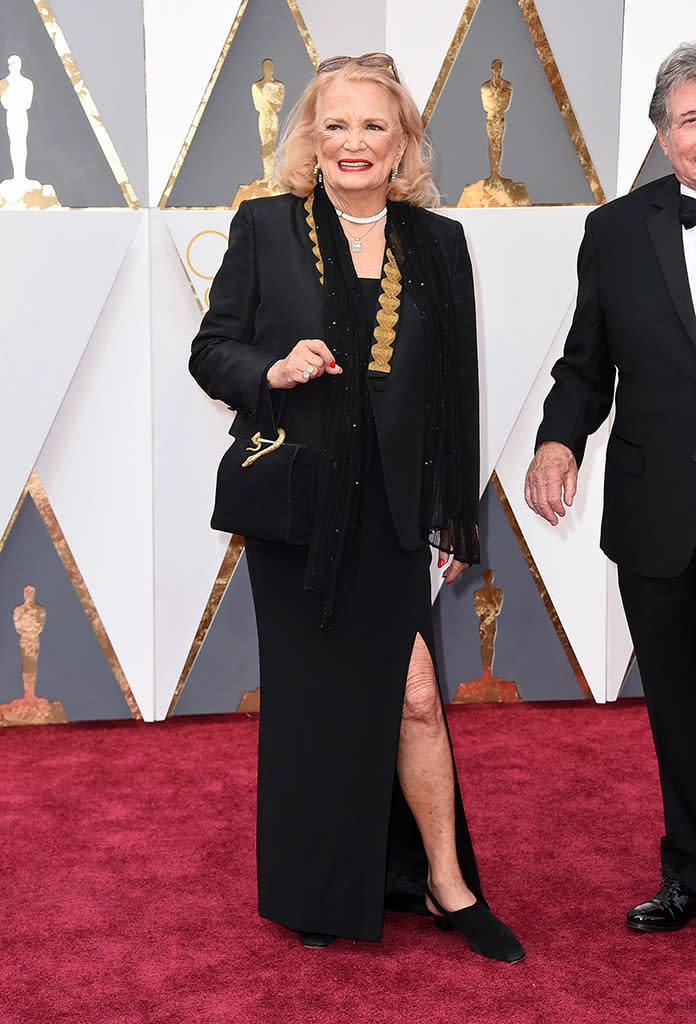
[{"x": 687, "y": 211}]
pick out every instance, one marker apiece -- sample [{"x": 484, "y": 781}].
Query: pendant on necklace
[{"x": 356, "y": 245}]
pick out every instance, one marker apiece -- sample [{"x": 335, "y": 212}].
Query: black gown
[{"x": 336, "y": 840}]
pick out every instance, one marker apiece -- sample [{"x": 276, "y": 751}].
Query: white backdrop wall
[{"x": 101, "y": 297}]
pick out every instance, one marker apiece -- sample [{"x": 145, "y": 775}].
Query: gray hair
[{"x": 676, "y": 69}]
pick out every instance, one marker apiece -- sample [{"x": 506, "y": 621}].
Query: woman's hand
[
  {"x": 453, "y": 570},
  {"x": 308, "y": 360}
]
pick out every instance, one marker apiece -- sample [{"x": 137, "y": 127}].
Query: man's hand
[{"x": 552, "y": 478}]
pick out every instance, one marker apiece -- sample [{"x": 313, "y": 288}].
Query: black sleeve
[
  {"x": 468, "y": 386},
  {"x": 581, "y": 398},
  {"x": 224, "y": 359}
]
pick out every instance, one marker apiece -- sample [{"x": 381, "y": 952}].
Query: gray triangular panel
[
  {"x": 63, "y": 151},
  {"x": 106, "y": 39},
  {"x": 537, "y": 148},
  {"x": 72, "y": 667},
  {"x": 633, "y": 684},
  {"x": 227, "y": 663},
  {"x": 225, "y": 152},
  {"x": 656, "y": 166},
  {"x": 527, "y": 648}
]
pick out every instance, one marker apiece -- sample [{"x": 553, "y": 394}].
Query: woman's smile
[
  {"x": 354, "y": 165},
  {"x": 359, "y": 141}
]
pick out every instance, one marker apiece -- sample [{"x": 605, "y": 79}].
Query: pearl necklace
[{"x": 361, "y": 220}]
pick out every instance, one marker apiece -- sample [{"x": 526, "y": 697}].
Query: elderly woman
[{"x": 344, "y": 312}]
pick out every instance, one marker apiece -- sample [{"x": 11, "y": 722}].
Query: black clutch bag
[{"x": 266, "y": 489}]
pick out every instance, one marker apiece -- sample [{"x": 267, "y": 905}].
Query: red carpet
[{"x": 128, "y": 897}]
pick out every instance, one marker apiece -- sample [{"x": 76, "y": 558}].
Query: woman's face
[{"x": 358, "y": 140}]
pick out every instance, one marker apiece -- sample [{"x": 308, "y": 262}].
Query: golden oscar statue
[
  {"x": 488, "y": 602},
  {"x": 29, "y": 619},
  {"x": 494, "y": 190},
  {"x": 20, "y": 192},
  {"x": 267, "y": 95}
]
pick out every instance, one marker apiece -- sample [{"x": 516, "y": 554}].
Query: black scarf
[{"x": 449, "y": 491}]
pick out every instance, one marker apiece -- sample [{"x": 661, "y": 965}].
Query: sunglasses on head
[{"x": 368, "y": 60}]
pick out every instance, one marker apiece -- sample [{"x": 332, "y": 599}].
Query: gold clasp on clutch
[{"x": 257, "y": 441}]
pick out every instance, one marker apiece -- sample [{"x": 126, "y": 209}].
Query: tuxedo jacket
[
  {"x": 267, "y": 296},
  {"x": 635, "y": 326}
]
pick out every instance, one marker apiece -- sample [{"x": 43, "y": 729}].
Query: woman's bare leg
[{"x": 426, "y": 774}]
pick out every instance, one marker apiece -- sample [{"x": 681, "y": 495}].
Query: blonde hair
[{"x": 296, "y": 156}]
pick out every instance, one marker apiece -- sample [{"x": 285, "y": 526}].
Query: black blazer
[
  {"x": 635, "y": 314},
  {"x": 267, "y": 296}
]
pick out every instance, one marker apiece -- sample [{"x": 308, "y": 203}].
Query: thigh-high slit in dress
[{"x": 336, "y": 841}]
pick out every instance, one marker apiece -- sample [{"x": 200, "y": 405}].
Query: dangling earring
[
  {"x": 318, "y": 175},
  {"x": 394, "y": 173},
  {"x": 316, "y": 170}
]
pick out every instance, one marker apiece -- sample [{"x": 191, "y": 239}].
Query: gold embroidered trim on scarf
[
  {"x": 387, "y": 316},
  {"x": 309, "y": 207},
  {"x": 389, "y": 298}
]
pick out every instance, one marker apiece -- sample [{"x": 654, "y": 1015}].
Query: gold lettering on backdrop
[
  {"x": 495, "y": 190},
  {"x": 488, "y": 602},
  {"x": 267, "y": 95},
  {"x": 212, "y": 257},
  {"x": 28, "y": 619},
  {"x": 16, "y": 96}
]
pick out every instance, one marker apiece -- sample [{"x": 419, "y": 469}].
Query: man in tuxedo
[{"x": 635, "y": 326}]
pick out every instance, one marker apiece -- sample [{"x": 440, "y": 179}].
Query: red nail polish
[
  {"x": 332, "y": 364},
  {"x": 440, "y": 563}
]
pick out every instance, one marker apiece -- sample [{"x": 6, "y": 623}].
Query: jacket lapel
[{"x": 665, "y": 232}]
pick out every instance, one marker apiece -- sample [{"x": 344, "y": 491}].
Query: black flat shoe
[
  {"x": 316, "y": 940},
  {"x": 668, "y": 911},
  {"x": 481, "y": 929}
]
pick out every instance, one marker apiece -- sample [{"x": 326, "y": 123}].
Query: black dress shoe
[
  {"x": 481, "y": 929},
  {"x": 316, "y": 940},
  {"x": 668, "y": 911}
]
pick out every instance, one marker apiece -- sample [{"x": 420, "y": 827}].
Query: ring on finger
[{"x": 308, "y": 371}]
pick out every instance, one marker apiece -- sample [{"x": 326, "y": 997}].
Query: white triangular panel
[
  {"x": 56, "y": 271},
  {"x": 191, "y": 435},
  {"x": 363, "y": 31},
  {"x": 182, "y": 46},
  {"x": 568, "y": 555},
  {"x": 96, "y": 468},
  {"x": 650, "y": 33},
  {"x": 524, "y": 269},
  {"x": 619, "y": 643},
  {"x": 419, "y": 36},
  {"x": 200, "y": 237}
]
